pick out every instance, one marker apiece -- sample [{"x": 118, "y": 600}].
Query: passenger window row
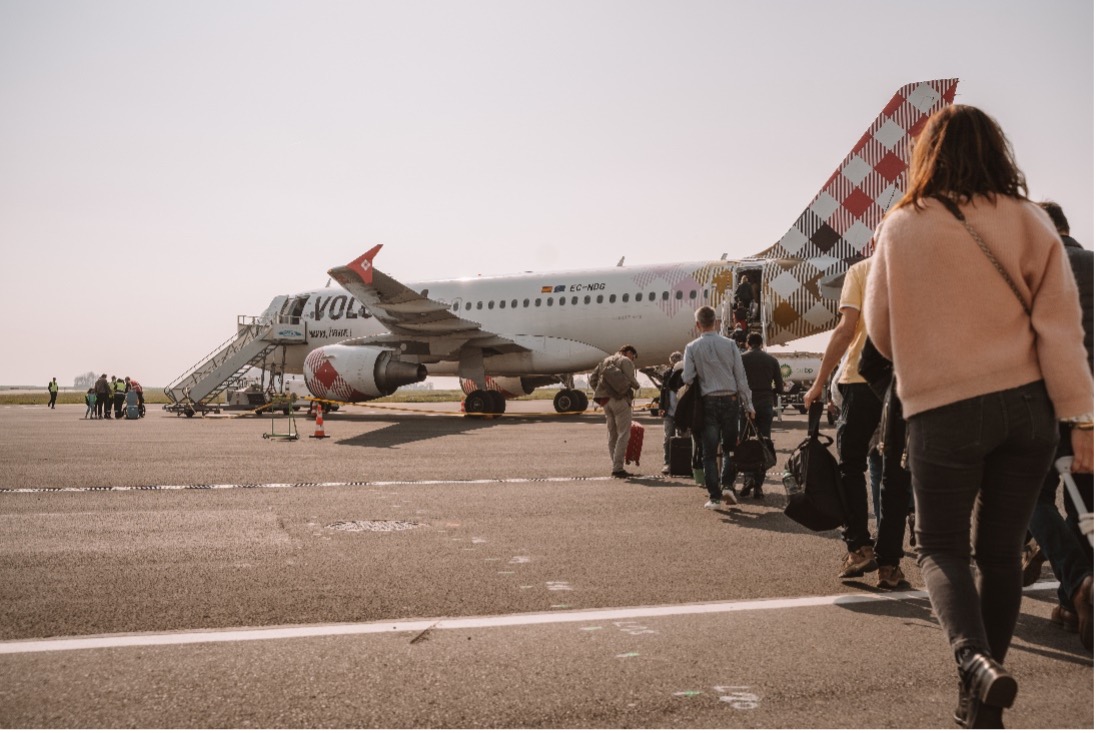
[{"x": 586, "y": 300}]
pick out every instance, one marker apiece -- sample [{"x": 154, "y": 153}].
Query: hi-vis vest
[
  {"x": 119, "y": 386},
  {"x": 53, "y": 386}
]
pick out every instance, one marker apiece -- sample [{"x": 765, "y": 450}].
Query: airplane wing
[{"x": 419, "y": 326}]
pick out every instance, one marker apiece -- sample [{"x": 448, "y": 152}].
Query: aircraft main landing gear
[
  {"x": 487, "y": 402},
  {"x": 570, "y": 400}
]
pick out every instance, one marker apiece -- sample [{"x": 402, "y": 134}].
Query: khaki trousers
[{"x": 618, "y": 418}]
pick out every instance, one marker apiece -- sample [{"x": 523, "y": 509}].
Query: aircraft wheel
[
  {"x": 583, "y": 401},
  {"x": 498, "y": 402},
  {"x": 479, "y": 401},
  {"x": 566, "y": 400},
  {"x": 189, "y": 412}
]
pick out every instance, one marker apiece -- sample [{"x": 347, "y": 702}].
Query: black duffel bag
[{"x": 813, "y": 481}]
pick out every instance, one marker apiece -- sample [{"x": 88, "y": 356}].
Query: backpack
[
  {"x": 614, "y": 378},
  {"x": 813, "y": 480}
]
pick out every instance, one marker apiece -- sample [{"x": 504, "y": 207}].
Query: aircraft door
[
  {"x": 292, "y": 309},
  {"x": 747, "y": 300}
]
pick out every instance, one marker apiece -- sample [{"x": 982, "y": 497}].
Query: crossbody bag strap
[{"x": 954, "y": 209}]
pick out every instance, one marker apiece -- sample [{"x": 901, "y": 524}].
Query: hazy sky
[{"x": 166, "y": 166}]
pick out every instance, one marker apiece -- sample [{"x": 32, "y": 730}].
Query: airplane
[{"x": 505, "y": 336}]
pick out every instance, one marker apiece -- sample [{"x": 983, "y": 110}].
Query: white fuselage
[{"x": 568, "y": 320}]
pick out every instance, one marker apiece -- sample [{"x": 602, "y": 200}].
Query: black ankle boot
[{"x": 985, "y": 689}]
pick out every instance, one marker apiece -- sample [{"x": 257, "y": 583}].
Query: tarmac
[{"x": 420, "y": 569}]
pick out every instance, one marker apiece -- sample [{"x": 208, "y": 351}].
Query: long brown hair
[{"x": 962, "y": 153}]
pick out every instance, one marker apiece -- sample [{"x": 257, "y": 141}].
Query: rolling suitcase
[
  {"x": 635, "y": 444},
  {"x": 681, "y": 456}
]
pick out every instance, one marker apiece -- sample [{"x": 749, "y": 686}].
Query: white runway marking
[
  {"x": 484, "y": 622},
  {"x": 312, "y": 485}
]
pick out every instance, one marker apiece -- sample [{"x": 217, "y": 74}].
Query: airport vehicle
[
  {"x": 506, "y": 336},
  {"x": 798, "y": 368}
]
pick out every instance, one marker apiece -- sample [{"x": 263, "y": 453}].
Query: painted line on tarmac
[
  {"x": 440, "y": 624},
  {"x": 318, "y": 484}
]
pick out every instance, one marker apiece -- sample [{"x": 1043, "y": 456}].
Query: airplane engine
[
  {"x": 510, "y": 386},
  {"x": 356, "y": 373}
]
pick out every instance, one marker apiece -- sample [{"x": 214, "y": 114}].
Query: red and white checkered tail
[{"x": 804, "y": 269}]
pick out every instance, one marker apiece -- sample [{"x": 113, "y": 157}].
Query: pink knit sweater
[{"x": 938, "y": 308}]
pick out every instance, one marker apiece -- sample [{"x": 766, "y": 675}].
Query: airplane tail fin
[{"x": 836, "y": 229}]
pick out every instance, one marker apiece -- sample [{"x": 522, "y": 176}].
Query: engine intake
[{"x": 356, "y": 373}]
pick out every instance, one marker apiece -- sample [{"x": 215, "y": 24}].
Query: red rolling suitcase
[{"x": 635, "y": 444}]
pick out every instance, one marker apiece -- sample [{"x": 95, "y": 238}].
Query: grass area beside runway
[{"x": 156, "y": 396}]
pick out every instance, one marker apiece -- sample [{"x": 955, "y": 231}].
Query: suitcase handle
[{"x": 1084, "y": 518}]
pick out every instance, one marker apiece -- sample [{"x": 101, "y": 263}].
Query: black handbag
[
  {"x": 751, "y": 453},
  {"x": 877, "y": 369}
]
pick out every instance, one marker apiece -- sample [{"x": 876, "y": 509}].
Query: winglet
[{"x": 364, "y": 265}]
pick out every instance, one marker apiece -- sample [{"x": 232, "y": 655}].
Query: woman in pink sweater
[{"x": 985, "y": 370}]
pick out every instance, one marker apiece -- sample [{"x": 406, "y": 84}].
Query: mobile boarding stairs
[{"x": 256, "y": 339}]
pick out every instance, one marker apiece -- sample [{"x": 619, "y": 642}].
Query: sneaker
[
  {"x": 622, "y": 474},
  {"x": 1033, "y": 562},
  {"x": 891, "y": 578},
  {"x": 859, "y": 562},
  {"x": 729, "y": 497},
  {"x": 758, "y": 493},
  {"x": 713, "y": 505},
  {"x": 666, "y": 470}
]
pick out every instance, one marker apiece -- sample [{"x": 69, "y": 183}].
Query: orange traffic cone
[{"x": 319, "y": 422}]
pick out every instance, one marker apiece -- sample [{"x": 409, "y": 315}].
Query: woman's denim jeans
[{"x": 979, "y": 463}]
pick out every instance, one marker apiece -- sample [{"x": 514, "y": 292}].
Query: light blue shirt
[{"x": 719, "y": 364}]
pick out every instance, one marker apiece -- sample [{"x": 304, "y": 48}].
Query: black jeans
[
  {"x": 894, "y": 487},
  {"x": 860, "y": 411},
  {"x": 979, "y": 460}
]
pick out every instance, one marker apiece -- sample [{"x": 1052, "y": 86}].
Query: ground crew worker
[
  {"x": 119, "y": 387},
  {"x": 102, "y": 398},
  {"x": 52, "y": 393}
]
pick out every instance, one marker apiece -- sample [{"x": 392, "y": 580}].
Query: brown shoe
[
  {"x": 891, "y": 577},
  {"x": 1033, "y": 562},
  {"x": 859, "y": 562},
  {"x": 1082, "y": 605},
  {"x": 1062, "y": 616}
]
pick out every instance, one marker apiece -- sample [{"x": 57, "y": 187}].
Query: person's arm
[
  {"x": 840, "y": 339},
  {"x": 630, "y": 372},
  {"x": 688, "y": 372},
  {"x": 1081, "y": 441}
]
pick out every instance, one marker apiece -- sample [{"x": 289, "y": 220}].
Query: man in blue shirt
[{"x": 716, "y": 362}]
